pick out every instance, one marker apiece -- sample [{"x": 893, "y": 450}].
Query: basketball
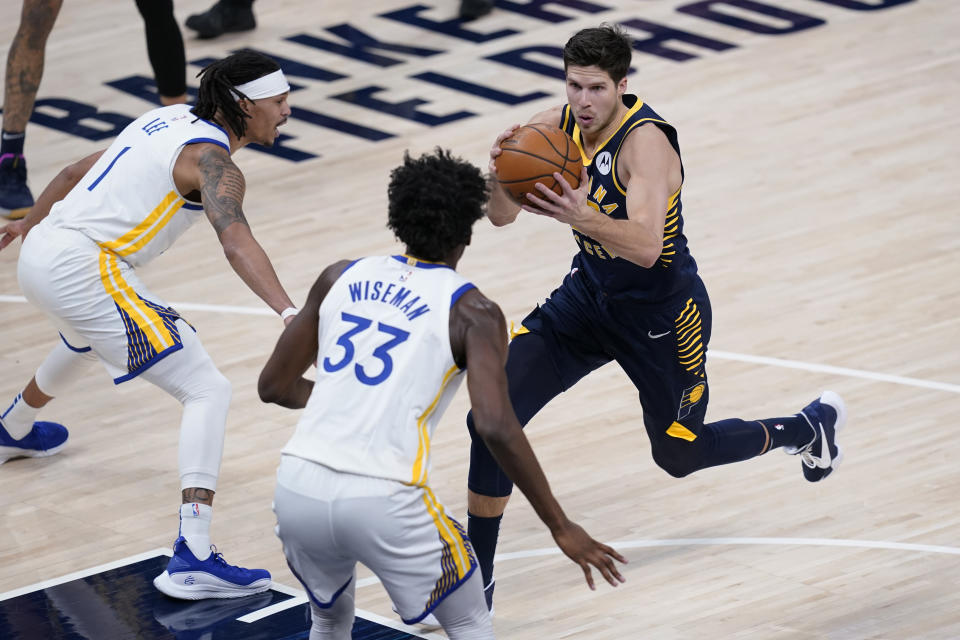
[{"x": 531, "y": 155}]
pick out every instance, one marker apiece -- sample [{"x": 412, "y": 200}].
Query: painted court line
[
  {"x": 839, "y": 371},
  {"x": 689, "y": 542},
  {"x": 803, "y": 542},
  {"x": 46, "y": 584},
  {"x": 299, "y": 596},
  {"x": 712, "y": 353}
]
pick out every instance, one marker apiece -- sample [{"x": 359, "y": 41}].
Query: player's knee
[
  {"x": 472, "y": 426},
  {"x": 677, "y": 459},
  {"x": 207, "y": 385},
  {"x": 220, "y": 386}
]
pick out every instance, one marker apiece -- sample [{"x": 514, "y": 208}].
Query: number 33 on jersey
[{"x": 385, "y": 371}]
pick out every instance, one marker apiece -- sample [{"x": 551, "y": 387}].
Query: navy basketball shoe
[
  {"x": 44, "y": 439},
  {"x": 826, "y": 416},
  {"x": 187, "y": 578},
  {"x": 15, "y": 196}
]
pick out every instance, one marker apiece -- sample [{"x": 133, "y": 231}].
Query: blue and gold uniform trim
[
  {"x": 420, "y": 465},
  {"x": 138, "y": 237},
  {"x": 690, "y": 350},
  {"x": 151, "y": 330},
  {"x": 614, "y": 274},
  {"x": 671, "y": 229},
  {"x": 457, "y": 560}
]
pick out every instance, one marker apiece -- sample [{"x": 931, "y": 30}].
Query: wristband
[{"x": 289, "y": 311}]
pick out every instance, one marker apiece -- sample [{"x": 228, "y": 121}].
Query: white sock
[
  {"x": 18, "y": 418},
  {"x": 195, "y": 528}
]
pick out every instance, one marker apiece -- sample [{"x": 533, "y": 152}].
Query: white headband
[{"x": 272, "y": 84}]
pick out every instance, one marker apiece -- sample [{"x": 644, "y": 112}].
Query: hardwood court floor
[{"x": 821, "y": 206}]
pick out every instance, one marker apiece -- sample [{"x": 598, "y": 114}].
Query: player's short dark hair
[
  {"x": 217, "y": 86},
  {"x": 434, "y": 201},
  {"x": 607, "y": 46}
]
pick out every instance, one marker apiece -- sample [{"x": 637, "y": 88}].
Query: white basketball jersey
[
  {"x": 385, "y": 371},
  {"x": 128, "y": 203}
]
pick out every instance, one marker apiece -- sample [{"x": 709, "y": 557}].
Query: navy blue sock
[
  {"x": 12, "y": 143},
  {"x": 734, "y": 439},
  {"x": 483, "y": 534},
  {"x": 793, "y": 431}
]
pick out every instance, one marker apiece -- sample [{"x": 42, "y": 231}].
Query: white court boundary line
[
  {"x": 299, "y": 596},
  {"x": 690, "y": 542},
  {"x": 712, "y": 353}
]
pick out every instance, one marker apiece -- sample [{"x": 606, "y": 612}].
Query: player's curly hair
[
  {"x": 607, "y": 46},
  {"x": 218, "y": 81},
  {"x": 433, "y": 202}
]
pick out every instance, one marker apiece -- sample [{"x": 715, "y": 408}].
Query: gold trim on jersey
[
  {"x": 616, "y": 154},
  {"x": 453, "y": 540},
  {"x": 677, "y": 430},
  {"x": 423, "y": 447},
  {"x": 690, "y": 351},
  {"x": 671, "y": 226},
  {"x": 578, "y": 136},
  {"x": 148, "y": 320},
  {"x": 411, "y": 261},
  {"x": 135, "y": 239}
]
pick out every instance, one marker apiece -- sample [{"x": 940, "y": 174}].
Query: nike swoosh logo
[
  {"x": 654, "y": 336},
  {"x": 825, "y": 459}
]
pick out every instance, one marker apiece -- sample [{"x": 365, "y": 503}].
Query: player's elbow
[
  {"x": 73, "y": 173},
  {"x": 646, "y": 258},
  {"x": 494, "y": 430},
  {"x": 270, "y": 390},
  {"x": 647, "y": 262},
  {"x": 232, "y": 251},
  {"x": 502, "y": 220}
]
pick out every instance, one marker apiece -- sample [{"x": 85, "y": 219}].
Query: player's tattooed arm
[
  {"x": 222, "y": 189},
  {"x": 196, "y": 494}
]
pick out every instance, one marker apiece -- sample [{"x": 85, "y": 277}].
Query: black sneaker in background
[{"x": 223, "y": 17}]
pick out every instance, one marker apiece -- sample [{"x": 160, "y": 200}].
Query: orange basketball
[{"x": 531, "y": 155}]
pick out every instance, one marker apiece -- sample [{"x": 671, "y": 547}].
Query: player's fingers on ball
[
  {"x": 563, "y": 182},
  {"x": 540, "y": 203}
]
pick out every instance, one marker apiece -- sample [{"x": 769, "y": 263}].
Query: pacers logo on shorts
[{"x": 690, "y": 398}]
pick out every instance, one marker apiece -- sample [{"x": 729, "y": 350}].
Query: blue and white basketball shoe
[
  {"x": 44, "y": 439},
  {"x": 187, "y": 578},
  {"x": 826, "y": 416}
]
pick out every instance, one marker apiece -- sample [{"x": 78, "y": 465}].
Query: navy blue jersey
[{"x": 675, "y": 269}]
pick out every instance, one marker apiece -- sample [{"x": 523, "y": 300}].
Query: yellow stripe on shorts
[
  {"x": 449, "y": 533},
  {"x": 127, "y": 299}
]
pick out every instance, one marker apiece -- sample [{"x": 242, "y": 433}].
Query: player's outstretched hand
[
  {"x": 585, "y": 551},
  {"x": 10, "y": 231},
  {"x": 495, "y": 150}
]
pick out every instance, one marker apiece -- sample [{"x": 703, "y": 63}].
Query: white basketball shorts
[
  {"x": 328, "y": 521},
  {"x": 96, "y": 301}
]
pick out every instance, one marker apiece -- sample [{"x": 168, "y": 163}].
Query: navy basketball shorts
[{"x": 662, "y": 348}]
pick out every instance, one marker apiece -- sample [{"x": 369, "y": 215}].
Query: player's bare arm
[
  {"x": 479, "y": 339},
  {"x": 650, "y": 169},
  {"x": 501, "y": 209},
  {"x": 57, "y": 190},
  {"x": 221, "y": 184},
  {"x": 281, "y": 381}
]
